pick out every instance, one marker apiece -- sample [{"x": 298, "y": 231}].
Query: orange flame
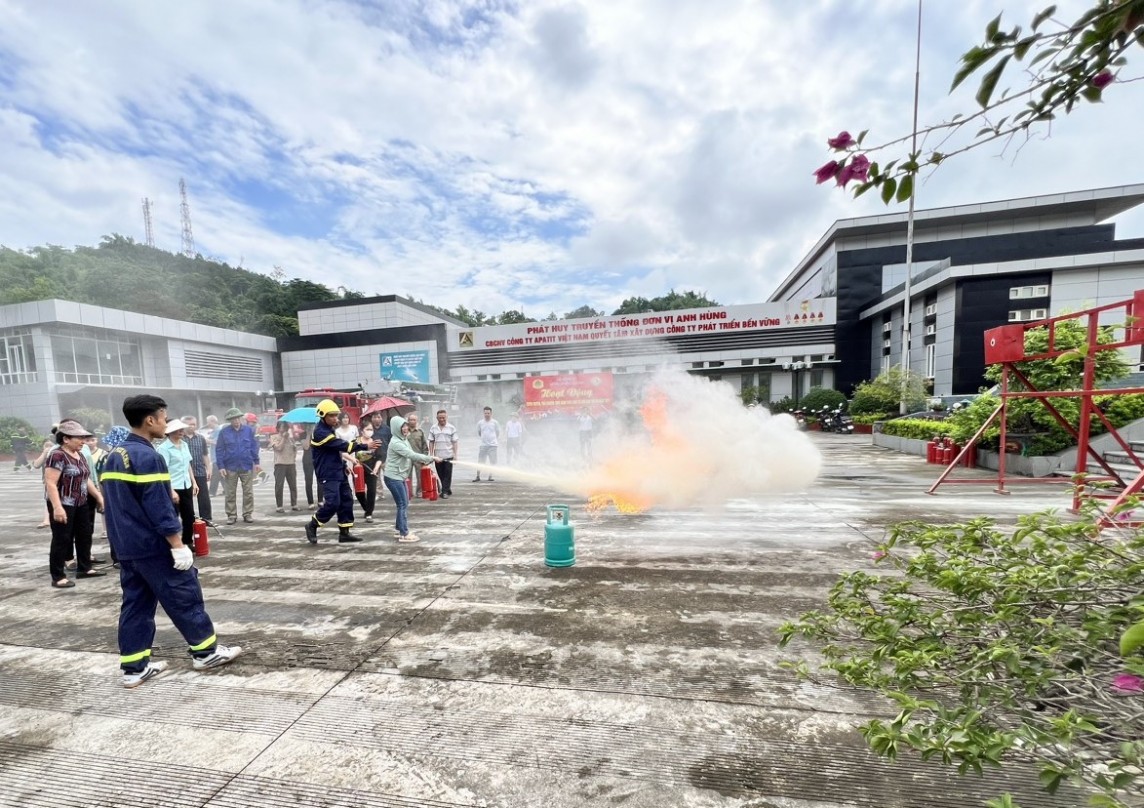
[{"x": 654, "y": 413}]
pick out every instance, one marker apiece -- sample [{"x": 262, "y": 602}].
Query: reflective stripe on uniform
[
  {"x": 345, "y": 524},
  {"x": 140, "y": 479},
  {"x": 205, "y": 644},
  {"x": 313, "y": 442},
  {"x": 129, "y": 658}
]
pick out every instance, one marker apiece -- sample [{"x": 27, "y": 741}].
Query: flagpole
[{"x": 910, "y": 220}]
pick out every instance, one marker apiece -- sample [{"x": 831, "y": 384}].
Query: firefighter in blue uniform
[
  {"x": 146, "y": 535},
  {"x": 326, "y": 448}
]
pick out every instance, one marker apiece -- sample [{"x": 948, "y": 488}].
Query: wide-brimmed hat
[
  {"x": 232, "y": 413},
  {"x": 175, "y": 426},
  {"x": 115, "y": 436},
  {"x": 73, "y": 429}
]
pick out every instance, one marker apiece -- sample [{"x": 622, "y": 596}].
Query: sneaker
[
  {"x": 280, "y": 510},
  {"x": 311, "y": 507},
  {"x": 293, "y": 507},
  {"x": 152, "y": 670},
  {"x": 408, "y": 538},
  {"x": 476, "y": 479},
  {"x": 368, "y": 518},
  {"x": 230, "y": 520},
  {"x": 221, "y": 655},
  {"x": 248, "y": 519}
]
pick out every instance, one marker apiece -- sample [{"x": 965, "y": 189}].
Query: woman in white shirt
[{"x": 183, "y": 487}]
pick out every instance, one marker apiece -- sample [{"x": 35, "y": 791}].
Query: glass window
[{"x": 931, "y": 358}]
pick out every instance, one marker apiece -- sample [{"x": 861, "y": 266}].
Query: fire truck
[
  {"x": 352, "y": 402},
  {"x": 267, "y": 425}
]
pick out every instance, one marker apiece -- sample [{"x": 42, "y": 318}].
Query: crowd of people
[{"x": 153, "y": 479}]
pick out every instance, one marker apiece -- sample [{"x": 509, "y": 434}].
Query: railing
[
  {"x": 96, "y": 378},
  {"x": 28, "y": 377}
]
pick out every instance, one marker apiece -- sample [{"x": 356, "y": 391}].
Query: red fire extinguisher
[
  {"x": 359, "y": 479},
  {"x": 931, "y": 451},
  {"x": 202, "y": 544},
  {"x": 428, "y": 484}
]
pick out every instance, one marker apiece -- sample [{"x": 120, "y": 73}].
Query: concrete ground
[{"x": 462, "y": 671}]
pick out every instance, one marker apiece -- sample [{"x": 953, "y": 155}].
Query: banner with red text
[{"x": 568, "y": 393}]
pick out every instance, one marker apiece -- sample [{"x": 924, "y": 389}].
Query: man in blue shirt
[
  {"x": 236, "y": 458},
  {"x": 155, "y": 567}
]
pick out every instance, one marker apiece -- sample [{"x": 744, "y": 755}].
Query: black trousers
[
  {"x": 308, "y": 475},
  {"x": 368, "y": 500},
  {"x": 445, "y": 472},
  {"x": 74, "y": 533},
  {"x": 204, "y": 498},
  {"x": 187, "y": 515}
]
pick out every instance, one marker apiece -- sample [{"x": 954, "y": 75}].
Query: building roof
[
  {"x": 365, "y": 301},
  {"x": 1100, "y": 203}
]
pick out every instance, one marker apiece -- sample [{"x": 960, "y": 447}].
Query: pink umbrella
[{"x": 399, "y": 406}]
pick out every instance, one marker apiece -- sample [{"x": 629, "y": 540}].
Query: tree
[
  {"x": 998, "y": 645},
  {"x": 672, "y": 301},
  {"x": 583, "y": 312},
  {"x": 1060, "y": 69},
  {"x": 511, "y": 317}
]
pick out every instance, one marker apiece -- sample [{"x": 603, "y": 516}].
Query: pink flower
[
  {"x": 878, "y": 555},
  {"x": 1128, "y": 683},
  {"x": 843, "y": 141},
  {"x": 827, "y": 172},
  {"x": 1102, "y": 79},
  {"x": 856, "y": 169}
]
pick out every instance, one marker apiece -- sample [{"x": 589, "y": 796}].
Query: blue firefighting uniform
[
  {"x": 140, "y": 515},
  {"x": 326, "y": 448}
]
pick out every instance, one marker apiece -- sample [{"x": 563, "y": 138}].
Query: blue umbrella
[{"x": 301, "y": 415}]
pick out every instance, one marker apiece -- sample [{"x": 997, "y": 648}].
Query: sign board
[
  {"x": 405, "y": 366},
  {"x": 634, "y": 328},
  {"x": 568, "y": 393}
]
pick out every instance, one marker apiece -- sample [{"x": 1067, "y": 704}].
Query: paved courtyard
[{"x": 462, "y": 671}]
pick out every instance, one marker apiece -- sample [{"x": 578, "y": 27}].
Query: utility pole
[
  {"x": 148, "y": 230},
  {"x": 185, "y": 210},
  {"x": 910, "y": 223}
]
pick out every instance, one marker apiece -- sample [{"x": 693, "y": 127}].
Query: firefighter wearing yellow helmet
[{"x": 326, "y": 449}]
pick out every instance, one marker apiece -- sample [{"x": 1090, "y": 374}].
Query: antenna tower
[
  {"x": 148, "y": 230},
  {"x": 185, "y": 210}
]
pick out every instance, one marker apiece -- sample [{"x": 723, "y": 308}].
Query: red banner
[{"x": 568, "y": 393}]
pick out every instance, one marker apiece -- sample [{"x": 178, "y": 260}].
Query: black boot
[
  {"x": 344, "y": 535},
  {"x": 312, "y": 531}
]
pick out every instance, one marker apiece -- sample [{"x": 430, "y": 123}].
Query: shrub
[
  {"x": 996, "y": 646},
  {"x": 873, "y": 417},
  {"x": 785, "y": 404},
  {"x": 819, "y": 398},
  {"x": 9, "y": 425},
  {"x": 749, "y": 395},
  {"x": 916, "y": 428},
  {"x": 884, "y": 394}
]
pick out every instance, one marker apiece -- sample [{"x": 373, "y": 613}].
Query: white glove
[{"x": 184, "y": 558}]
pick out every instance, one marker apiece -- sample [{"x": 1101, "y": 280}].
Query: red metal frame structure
[{"x": 1005, "y": 346}]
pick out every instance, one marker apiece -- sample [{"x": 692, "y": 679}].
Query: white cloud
[{"x": 499, "y": 155}]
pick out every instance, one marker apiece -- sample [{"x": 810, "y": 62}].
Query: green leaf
[
  {"x": 1091, "y": 94},
  {"x": 972, "y": 59},
  {"x": 1132, "y": 639},
  {"x": 992, "y": 28},
  {"x": 888, "y": 189},
  {"x": 863, "y": 188},
  {"x": 905, "y": 188},
  {"x": 862, "y": 136},
  {"x": 1022, "y": 47},
  {"x": 1042, "y": 16},
  {"x": 989, "y": 81},
  {"x": 1051, "y": 779}
]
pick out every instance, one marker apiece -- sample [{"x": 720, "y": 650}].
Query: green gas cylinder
[{"x": 559, "y": 538}]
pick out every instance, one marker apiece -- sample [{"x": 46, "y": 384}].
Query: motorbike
[{"x": 835, "y": 421}]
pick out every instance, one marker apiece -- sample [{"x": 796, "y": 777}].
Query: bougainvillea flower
[
  {"x": 843, "y": 141},
  {"x": 1128, "y": 683},
  {"x": 856, "y": 169},
  {"x": 1102, "y": 79},
  {"x": 827, "y": 172},
  {"x": 878, "y": 555}
]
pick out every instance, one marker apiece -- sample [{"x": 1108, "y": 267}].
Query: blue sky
[{"x": 500, "y": 155}]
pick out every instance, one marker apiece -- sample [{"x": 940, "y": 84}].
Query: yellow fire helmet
[{"x": 326, "y": 407}]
